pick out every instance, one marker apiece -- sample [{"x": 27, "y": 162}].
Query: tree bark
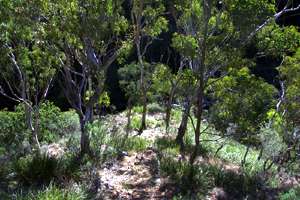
[
  {"x": 183, "y": 124},
  {"x": 169, "y": 109},
  {"x": 85, "y": 139},
  {"x": 128, "y": 117},
  {"x": 143, "y": 88},
  {"x": 143, "y": 122}
]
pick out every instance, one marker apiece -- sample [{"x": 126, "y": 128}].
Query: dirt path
[{"x": 135, "y": 176}]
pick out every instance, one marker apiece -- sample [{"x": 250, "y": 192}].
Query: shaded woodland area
[{"x": 150, "y": 99}]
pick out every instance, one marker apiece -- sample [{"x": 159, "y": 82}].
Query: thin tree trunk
[
  {"x": 90, "y": 85},
  {"x": 128, "y": 128},
  {"x": 143, "y": 88},
  {"x": 144, "y": 114},
  {"x": 183, "y": 124},
  {"x": 199, "y": 113},
  {"x": 245, "y": 156},
  {"x": 169, "y": 109}
]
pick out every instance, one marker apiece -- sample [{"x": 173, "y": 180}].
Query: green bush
[
  {"x": 292, "y": 194},
  {"x": 135, "y": 122},
  {"x": 135, "y": 144},
  {"x": 55, "y": 124},
  {"x": 155, "y": 108},
  {"x": 137, "y": 109},
  {"x": 37, "y": 169},
  {"x": 12, "y": 128}
]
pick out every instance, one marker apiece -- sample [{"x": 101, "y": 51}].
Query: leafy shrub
[
  {"x": 135, "y": 144},
  {"x": 155, "y": 108},
  {"x": 55, "y": 124},
  {"x": 12, "y": 128},
  {"x": 36, "y": 169},
  {"x": 137, "y": 109},
  {"x": 292, "y": 194},
  {"x": 135, "y": 122}
]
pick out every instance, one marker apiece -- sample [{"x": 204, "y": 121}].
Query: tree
[
  {"x": 29, "y": 62},
  {"x": 148, "y": 23},
  {"x": 129, "y": 77},
  {"x": 165, "y": 83},
  {"x": 91, "y": 36},
  {"x": 211, "y": 37},
  {"x": 242, "y": 103}
]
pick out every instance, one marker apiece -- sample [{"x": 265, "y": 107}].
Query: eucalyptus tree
[
  {"x": 211, "y": 34},
  {"x": 148, "y": 23},
  {"x": 28, "y": 62},
  {"x": 91, "y": 35},
  {"x": 165, "y": 84},
  {"x": 129, "y": 78},
  {"x": 283, "y": 42}
]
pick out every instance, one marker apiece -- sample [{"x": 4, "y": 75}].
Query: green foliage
[
  {"x": 12, "y": 128},
  {"x": 290, "y": 72},
  {"x": 155, "y": 108},
  {"x": 242, "y": 103},
  {"x": 277, "y": 41},
  {"x": 36, "y": 169},
  {"x": 52, "y": 192},
  {"x": 137, "y": 144},
  {"x": 240, "y": 12},
  {"x": 137, "y": 109},
  {"x": 292, "y": 194},
  {"x": 50, "y": 121},
  {"x": 272, "y": 141},
  {"x": 135, "y": 122},
  {"x": 129, "y": 80},
  {"x": 152, "y": 12},
  {"x": 186, "y": 44},
  {"x": 162, "y": 78}
]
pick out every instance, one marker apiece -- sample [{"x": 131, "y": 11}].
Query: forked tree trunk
[
  {"x": 199, "y": 120},
  {"x": 183, "y": 124}
]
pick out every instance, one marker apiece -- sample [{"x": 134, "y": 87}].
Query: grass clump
[
  {"x": 292, "y": 194},
  {"x": 52, "y": 192}
]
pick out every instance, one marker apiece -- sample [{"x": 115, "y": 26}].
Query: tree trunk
[
  {"x": 143, "y": 122},
  {"x": 169, "y": 109},
  {"x": 143, "y": 87},
  {"x": 128, "y": 117},
  {"x": 35, "y": 131},
  {"x": 200, "y": 94},
  {"x": 90, "y": 85},
  {"x": 183, "y": 124},
  {"x": 85, "y": 139},
  {"x": 245, "y": 156}
]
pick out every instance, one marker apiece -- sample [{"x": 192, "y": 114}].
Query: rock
[
  {"x": 55, "y": 151},
  {"x": 219, "y": 194}
]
